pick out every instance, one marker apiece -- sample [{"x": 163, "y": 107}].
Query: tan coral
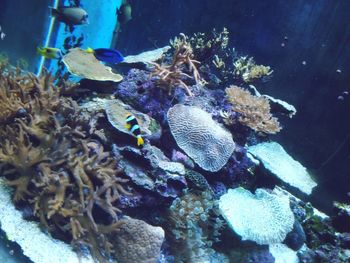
[
  {"x": 171, "y": 76},
  {"x": 48, "y": 148},
  {"x": 85, "y": 65},
  {"x": 255, "y": 111}
]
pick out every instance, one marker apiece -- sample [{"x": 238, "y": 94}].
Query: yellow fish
[{"x": 49, "y": 52}]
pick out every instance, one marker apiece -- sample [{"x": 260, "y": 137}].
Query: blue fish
[{"x": 108, "y": 55}]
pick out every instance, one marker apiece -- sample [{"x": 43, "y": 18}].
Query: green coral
[{"x": 194, "y": 225}]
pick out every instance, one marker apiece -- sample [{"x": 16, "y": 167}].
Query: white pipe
[{"x": 47, "y": 40}]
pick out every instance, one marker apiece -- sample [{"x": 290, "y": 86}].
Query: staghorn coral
[
  {"x": 171, "y": 76},
  {"x": 65, "y": 176},
  {"x": 254, "y": 111}
]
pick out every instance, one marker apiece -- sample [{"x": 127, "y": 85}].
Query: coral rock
[
  {"x": 137, "y": 241},
  {"x": 264, "y": 218},
  {"x": 85, "y": 65},
  {"x": 202, "y": 139}
]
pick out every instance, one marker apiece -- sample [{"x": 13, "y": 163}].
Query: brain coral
[
  {"x": 204, "y": 140},
  {"x": 138, "y": 241},
  {"x": 264, "y": 218}
]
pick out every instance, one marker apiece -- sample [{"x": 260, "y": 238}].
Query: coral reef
[
  {"x": 75, "y": 168},
  {"x": 254, "y": 111}
]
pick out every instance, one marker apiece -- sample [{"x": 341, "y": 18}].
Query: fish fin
[
  {"x": 140, "y": 141},
  {"x": 127, "y": 126},
  {"x": 40, "y": 50},
  {"x": 89, "y": 50},
  {"x": 54, "y": 11}
]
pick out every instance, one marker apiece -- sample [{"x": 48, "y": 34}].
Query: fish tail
[
  {"x": 54, "y": 11},
  {"x": 89, "y": 50},
  {"x": 140, "y": 141}
]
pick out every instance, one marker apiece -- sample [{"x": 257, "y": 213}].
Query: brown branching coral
[
  {"x": 171, "y": 76},
  {"x": 47, "y": 155},
  {"x": 255, "y": 111}
]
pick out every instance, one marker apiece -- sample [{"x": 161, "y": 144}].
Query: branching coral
[
  {"x": 206, "y": 46},
  {"x": 255, "y": 111},
  {"x": 171, "y": 76},
  {"x": 46, "y": 154},
  {"x": 249, "y": 71}
]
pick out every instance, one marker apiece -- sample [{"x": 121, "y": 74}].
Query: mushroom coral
[{"x": 67, "y": 178}]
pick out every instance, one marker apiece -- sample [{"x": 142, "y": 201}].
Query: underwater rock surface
[
  {"x": 204, "y": 140},
  {"x": 36, "y": 245},
  {"x": 279, "y": 163}
]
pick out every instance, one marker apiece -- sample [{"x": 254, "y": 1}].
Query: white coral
[
  {"x": 204, "y": 140},
  {"x": 263, "y": 218}
]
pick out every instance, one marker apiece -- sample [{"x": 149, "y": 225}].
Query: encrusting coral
[
  {"x": 254, "y": 111},
  {"x": 171, "y": 76},
  {"x": 56, "y": 168}
]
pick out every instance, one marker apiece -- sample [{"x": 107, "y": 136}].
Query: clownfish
[{"x": 133, "y": 126}]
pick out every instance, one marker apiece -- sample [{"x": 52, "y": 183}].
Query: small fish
[
  {"x": 124, "y": 13},
  {"x": 340, "y": 97},
  {"x": 49, "y": 52},
  {"x": 346, "y": 92},
  {"x": 108, "y": 55},
  {"x": 2, "y": 34},
  {"x": 133, "y": 126},
  {"x": 71, "y": 16}
]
